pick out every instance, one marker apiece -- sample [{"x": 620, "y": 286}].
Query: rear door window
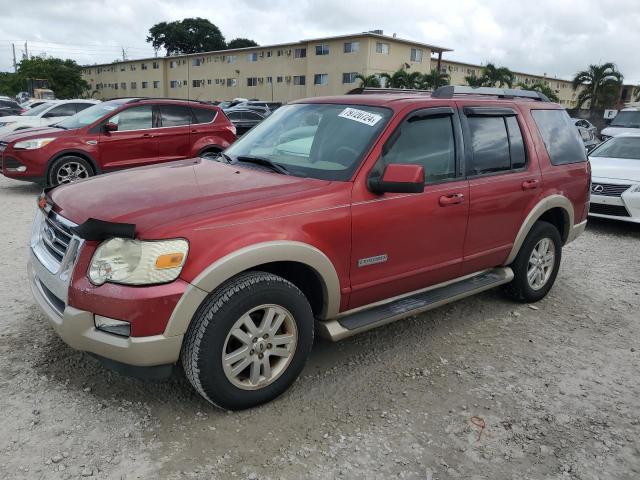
[
  {"x": 560, "y": 137},
  {"x": 65, "y": 110},
  {"x": 82, "y": 106},
  {"x": 204, "y": 115},
  {"x": 175, "y": 115}
]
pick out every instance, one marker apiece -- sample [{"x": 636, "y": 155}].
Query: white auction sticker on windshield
[{"x": 360, "y": 116}]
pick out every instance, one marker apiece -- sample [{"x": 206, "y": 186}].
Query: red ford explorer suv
[
  {"x": 114, "y": 135},
  {"x": 333, "y": 216}
]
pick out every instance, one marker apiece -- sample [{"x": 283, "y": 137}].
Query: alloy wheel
[
  {"x": 71, "y": 172},
  {"x": 541, "y": 263}
]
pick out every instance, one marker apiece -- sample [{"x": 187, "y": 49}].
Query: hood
[
  {"x": 36, "y": 132},
  {"x": 162, "y": 195},
  {"x": 615, "y": 168},
  {"x": 12, "y": 118},
  {"x": 613, "y": 131}
]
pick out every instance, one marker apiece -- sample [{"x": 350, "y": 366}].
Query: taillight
[{"x": 231, "y": 127}]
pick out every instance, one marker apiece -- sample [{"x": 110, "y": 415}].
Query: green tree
[
  {"x": 497, "y": 76},
  {"x": 399, "y": 79},
  {"x": 542, "y": 88},
  {"x": 241, "y": 43},
  {"x": 64, "y": 77},
  {"x": 368, "y": 81},
  {"x": 636, "y": 94},
  {"x": 474, "y": 81},
  {"x": 434, "y": 79},
  {"x": 190, "y": 35},
  {"x": 601, "y": 85}
]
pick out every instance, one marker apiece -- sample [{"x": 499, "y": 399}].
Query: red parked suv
[
  {"x": 335, "y": 215},
  {"x": 113, "y": 135}
]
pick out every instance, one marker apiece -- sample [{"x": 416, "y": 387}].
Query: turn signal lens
[{"x": 169, "y": 260}]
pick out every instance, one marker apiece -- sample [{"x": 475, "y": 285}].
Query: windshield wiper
[
  {"x": 276, "y": 167},
  {"x": 58, "y": 126}
]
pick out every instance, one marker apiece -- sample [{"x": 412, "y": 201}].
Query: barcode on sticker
[{"x": 360, "y": 116}]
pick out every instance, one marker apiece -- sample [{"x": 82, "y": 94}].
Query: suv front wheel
[
  {"x": 248, "y": 341},
  {"x": 536, "y": 266},
  {"x": 69, "y": 169}
]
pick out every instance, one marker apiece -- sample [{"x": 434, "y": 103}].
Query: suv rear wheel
[
  {"x": 248, "y": 341},
  {"x": 69, "y": 169},
  {"x": 536, "y": 266}
]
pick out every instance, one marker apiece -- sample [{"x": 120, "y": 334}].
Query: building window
[
  {"x": 143, "y": 66},
  {"x": 322, "y": 49},
  {"x": 416, "y": 55},
  {"x": 145, "y": 84},
  {"x": 232, "y": 82},
  {"x": 132, "y": 67},
  {"x": 279, "y": 79},
  {"x": 172, "y": 64},
  {"x": 321, "y": 79},
  {"x": 252, "y": 57},
  {"x": 349, "y": 77},
  {"x": 231, "y": 59},
  {"x": 196, "y": 62},
  {"x": 300, "y": 53},
  {"x": 269, "y": 53},
  {"x": 209, "y": 81},
  {"x": 122, "y": 68},
  {"x": 134, "y": 85},
  {"x": 351, "y": 47},
  {"x": 156, "y": 65},
  {"x": 174, "y": 84},
  {"x": 269, "y": 79},
  {"x": 299, "y": 80},
  {"x": 252, "y": 82},
  {"x": 123, "y": 85},
  {"x": 156, "y": 84},
  {"x": 184, "y": 82},
  {"x": 280, "y": 52},
  {"x": 197, "y": 83},
  {"x": 382, "y": 47}
]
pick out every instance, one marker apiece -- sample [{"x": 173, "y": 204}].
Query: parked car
[
  {"x": 588, "y": 138},
  {"x": 45, "y": 114},
  {"x": 400, "y": 203},
  {"x": 587, "y": 125},
  {"x": 626, "y": 121},
  {"x": 9, "y": 108},
  {"x": 32, "y": 103},
  {"x": 114, "y": 135},
  {"x": 244, "y": 119},
  {"x": 259, "y": 105},
  {"x": 615, "y": 186}
]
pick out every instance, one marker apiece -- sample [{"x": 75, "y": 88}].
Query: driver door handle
[
  {"x": 451, "y": 199},
  {"x": 530, "y": 184}
]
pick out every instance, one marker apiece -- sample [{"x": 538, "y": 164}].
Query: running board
[{"x": 367, "y": 318}]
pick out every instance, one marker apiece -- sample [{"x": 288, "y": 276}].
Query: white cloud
[{"x": 557, "y": 38}]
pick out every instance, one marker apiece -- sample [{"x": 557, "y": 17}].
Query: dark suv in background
[{"x": 113, "y": 135}]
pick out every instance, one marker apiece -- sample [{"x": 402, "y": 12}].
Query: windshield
[
  {"x": 619, "y": 147},
  {"x": 87, "y": 116},
  {"x": 324, "y": 141},
  {"x": 628, "y": 119},
  {"x": 35, "y": 111}
]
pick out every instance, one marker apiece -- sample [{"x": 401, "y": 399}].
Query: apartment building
[
  {"x": 284, "y": 72},
  {"x": 458, "y": 71}
]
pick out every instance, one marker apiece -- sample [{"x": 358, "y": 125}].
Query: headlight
[
  {"x": 138, "y": 262},
  {"x": 4, "y": 124},
  {"x": 33, "y": 144},
  {"x": 636, "y": 189}
]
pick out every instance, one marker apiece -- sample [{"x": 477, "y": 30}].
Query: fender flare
[
  {"x": 544, "y": 205},
  {"x": 247, "y": 258},
  {"x": 77, "y": 152}
]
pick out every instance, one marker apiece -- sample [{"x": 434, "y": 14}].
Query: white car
[
  {"x": 43, "y": 115},
  {"x": 33, "y": 103},
  {"x": 615, "y": 178},
  {"x": 626, "y": 121}
]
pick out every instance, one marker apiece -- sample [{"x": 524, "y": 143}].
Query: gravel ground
[{"x": 555, "y": 386}]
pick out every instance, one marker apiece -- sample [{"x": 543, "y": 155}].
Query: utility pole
[
  {"x": 124, "y": 56},
  {"x": 15, "y": 65},
  {"x": 26, "y": 51}
]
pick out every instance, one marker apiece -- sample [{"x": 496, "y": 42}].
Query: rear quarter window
[
  {"x": 204, "y": 115},
  {"x": 560, "y": 136}
]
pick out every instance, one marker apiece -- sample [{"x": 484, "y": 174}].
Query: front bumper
[{"x": 624, "y": 206}]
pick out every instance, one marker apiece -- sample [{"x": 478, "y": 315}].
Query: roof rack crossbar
[
  {"x": 378, "y": 90},
  {"x": 449, "y": 91}
]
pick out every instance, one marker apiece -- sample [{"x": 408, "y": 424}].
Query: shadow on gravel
[{"x": 613, "y": 227}]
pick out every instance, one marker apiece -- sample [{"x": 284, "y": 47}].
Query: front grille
[
  {"x": 608, "y": 189},
  {"x": 56, "y": 237},
  {"x": 603, "y": 209}
]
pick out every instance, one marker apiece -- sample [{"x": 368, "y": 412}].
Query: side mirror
[
  {"x": 110, "y": 127},
  {"x": 398, "y": 178}
]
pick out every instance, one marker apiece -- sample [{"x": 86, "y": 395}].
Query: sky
[{"x": 553, "y": 37}]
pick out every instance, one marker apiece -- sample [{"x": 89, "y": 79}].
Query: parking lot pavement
[{"x": 484, "y": 388}]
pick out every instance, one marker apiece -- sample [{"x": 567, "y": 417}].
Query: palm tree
[
  {"x": 368, "y": 81},
  {"x": 601, "y": 85},
  {"x": 542, "y": 88},
  {"x": 636, "y": 92},
  {"x": 474, "y": 81},
  {"x": 434, "y": 79},
  {"x": 398, "y": 79},
  {"x": 497, "y": 76}
]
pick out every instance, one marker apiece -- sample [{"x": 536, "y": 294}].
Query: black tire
[
  {"x": 205, "y": 340},
  {"x": 211, "y": 153},
  {"x": 520, "y": 288},
  {"x": 57, "y": 167}
]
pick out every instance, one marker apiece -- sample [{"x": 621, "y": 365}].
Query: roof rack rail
[
  {"x": 375, "y": 90},
  {"x": 140, "y": 99},
  {"x": 449, "y": 91}
]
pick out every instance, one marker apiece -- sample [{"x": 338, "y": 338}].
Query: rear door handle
[
  {"x": 452, "y": 199},
  {"x": 530, "y": 184},
  {"x": 147, "y": 135}
]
